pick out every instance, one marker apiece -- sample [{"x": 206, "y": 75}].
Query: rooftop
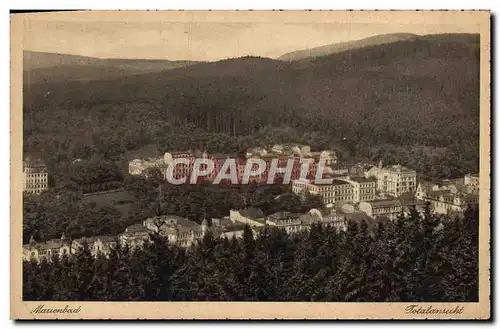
[
  {"x": 136, "y": 228},
  {"x": 399, "y": 168},
  {"x": 85, "y": 240},
  {"x": 339, "y": 182},
  {"x": 34, "y": 163},
  {"x": 384, "y": 203},
  {"x": 51, "y": 244},
  {"x": 362, "y": 179},
  {"x": 172, "y": 220},
  {"x": 283, "y": 215}
]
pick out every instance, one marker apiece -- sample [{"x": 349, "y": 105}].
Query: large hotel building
[
  {"x": 394, "y": 180},
  {"x": 35, "y": 176},
  {"x": 343, "y": 190}
]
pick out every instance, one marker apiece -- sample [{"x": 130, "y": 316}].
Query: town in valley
[
  {"x": 361, "y": 192},
  {"x": 178, "y": 161}
]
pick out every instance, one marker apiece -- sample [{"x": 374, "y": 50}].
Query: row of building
[
  {"x": 384, "y": 191},
  {"x": 178, "y": 230},
  {"x": 350, "y": 198},
  {"x": 183, "y": 232},
  {"x": 283, "y": 154},
  {"x": 449, "y": 196}
]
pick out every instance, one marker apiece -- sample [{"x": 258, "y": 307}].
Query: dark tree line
[
  {"x": 415, "y": 258},
  {"x": 48, "y": 216}
]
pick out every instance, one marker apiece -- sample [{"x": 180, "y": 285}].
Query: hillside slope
[
  {"x": 346, "y": 46},
  {"x": 39, "y": 67},
  {"x": 422, "y": 91}
]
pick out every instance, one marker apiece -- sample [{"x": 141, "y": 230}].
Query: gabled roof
[
  {"x": 136, "y": 228},
  {"x": 425, "y": 185},
  {"x": 384, "y": 203},
  {"x": 283, "y": 215},
  {"x": 51, "y": 244},
  {"x": 33, "y": 162},
  {"x": 340, "y": 182},
  {"x": 85, "y": 240},
  {"x": 106, "y": 238},
  {"x": 363, "y": 179}
]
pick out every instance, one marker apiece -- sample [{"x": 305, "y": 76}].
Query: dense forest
[
  {"x": 415, "y": 258},
  {"x": 417, "y": 97}
]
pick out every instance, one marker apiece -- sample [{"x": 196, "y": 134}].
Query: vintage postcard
[{"x": 250, "y": 165}]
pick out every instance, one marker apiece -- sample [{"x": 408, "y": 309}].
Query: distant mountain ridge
[
  {"x": 346, "y": 46},
  {"x": 420, "y": 82},
  {"x": 51, "y": 67}
]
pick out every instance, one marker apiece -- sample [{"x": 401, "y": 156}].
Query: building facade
[
  {"x": 472, "y": 182},
  {"x": 294, "y": 222},
  {"x": 394, "y": 180},
  {"x": 339, "y": 191},
  {"x": 177, "y": 230},
  {"x": 140, "y": 166},
  {"x": 46, "y": 251},
  {"x": 381, "y": 208},
  {"x": 36, "y": 177},
  {"x": 363, "y": 188},
  {"x": 252, "y": 217},
  {"x": 290, "y": 222},
  {"x": 446, "y": 197}
]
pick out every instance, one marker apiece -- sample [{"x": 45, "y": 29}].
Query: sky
[{"x": 159, "y": 37}]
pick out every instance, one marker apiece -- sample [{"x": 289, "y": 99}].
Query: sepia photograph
[{"x": 250, "y": 165}]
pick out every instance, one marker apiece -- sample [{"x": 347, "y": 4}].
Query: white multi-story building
[
  {"x": 381, "y": 208},
  {"x": 472, "y": 182},
  {"x": 339, "y": 191},
  {"x": 178, "y": 230},
  {"x": 363, "y": 188},
  {"x": 394, "y": 180},
  {"x": 35, "y": 176},
  {"x": 328, "y": 157},
  {"x": 446, "y": 196},
  {"x": 53, "y": 248},
  {"x": 294, "y": 222},
  {"x": 140, "y": 166}
]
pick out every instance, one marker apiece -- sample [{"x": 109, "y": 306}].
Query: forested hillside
[
  {"x": 346, "y": 46},
  {"x": 39, "y": 67},
  {"x": 405, "y": 95},
  {"x": 417, "y": 259}
]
